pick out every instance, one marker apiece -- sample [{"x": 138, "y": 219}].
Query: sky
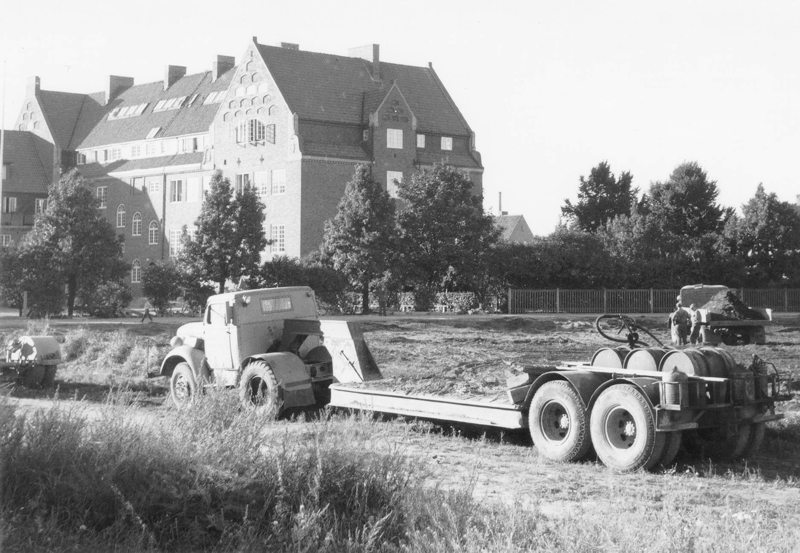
[{"x": 550, "y": 88}]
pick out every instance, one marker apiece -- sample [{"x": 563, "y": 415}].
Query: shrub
[
  {"x": 459, "y": 302},
  {"x": 107, "y": 300}
]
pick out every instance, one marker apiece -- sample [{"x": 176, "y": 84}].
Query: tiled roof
[
  {"x": 94, "y": 170},
  {"x": 510, "y": 224},
  {"x": 326, "y": 87},
  {"x": 26, "y": 172},
  {"x": 95, "y": 129},
  {"x": 61, "y": 110},
  {"x": 334, "y": 150},
  {"x": 452, "y": 158}
]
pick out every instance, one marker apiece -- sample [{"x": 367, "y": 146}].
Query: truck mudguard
[
  {"x": 293, "y": 378},
  {"x": 648, "y": 386},
  {"x": 185, "y": 354},
  {"x": 585, "y": 383}
]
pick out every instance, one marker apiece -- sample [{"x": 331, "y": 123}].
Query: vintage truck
[
  {"x": 735, "y": 324},
  {"x": 271, "y": 345}
]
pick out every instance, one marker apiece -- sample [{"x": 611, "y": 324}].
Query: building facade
[{"x": 293, "y": 124}]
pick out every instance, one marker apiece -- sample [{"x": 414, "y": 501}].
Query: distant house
[
  {"x": 293, "y": 124},
  {"x": 514, "y": 229}
]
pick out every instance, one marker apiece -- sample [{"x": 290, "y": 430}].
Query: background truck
[
  {"x": 631, "y": 406},
  {"x": 33, "y": 360},
  {"x": 725, "y": 318}
]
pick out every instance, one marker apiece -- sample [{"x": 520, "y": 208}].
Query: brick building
[{"x": 291, "y": 123}]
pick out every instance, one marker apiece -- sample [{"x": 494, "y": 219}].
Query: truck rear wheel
[
  {"x": 558, "y": 424},
  {"x": 671, "y": 448},
  {"x": 259, "y": 388},
  {"x": 182, "y": 385},
  {"x": 623, "y": 429}
]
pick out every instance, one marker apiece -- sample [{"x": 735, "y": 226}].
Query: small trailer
[
  {"x": 632, "y": 405},
  {"x": 33, "y": 360}
]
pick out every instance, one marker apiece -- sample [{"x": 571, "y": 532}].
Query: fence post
[
  {"x": 558, "y": 300},
  {"x": 605, "y": 300},
  {"x": 785, "y": 300},
  {"x": 652, "y": 305}
]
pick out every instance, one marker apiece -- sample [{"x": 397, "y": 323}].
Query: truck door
[{"x": 217, "y": 337}]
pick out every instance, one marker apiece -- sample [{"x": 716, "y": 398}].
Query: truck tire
[
  {"x": 671, "y": 448},
  {"x": 33, "y": 376},
  {"x": 182, "y": 385},
  {"x": 717, "y": 444},
  {"x": 259, "y": 389},
  {"x": 49, "y": 379},
  {"x": 558, "y": 423},
  {"x": 623, "y": 429}
]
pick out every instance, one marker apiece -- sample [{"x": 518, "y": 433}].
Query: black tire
[
  {"x": 671, "y": 448},
  {"x": 258, "y": 388},
  {"x": 717, "y": 444},
  {"x": 49, "y": 378},
  {"x": 33, "y": 376},
  {"x": 623, "y": 429},
  {"x": 182, "y": 385},
  {"x": 558, "y": 423}
]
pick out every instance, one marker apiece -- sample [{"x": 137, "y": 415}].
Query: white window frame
[
  {"x": 391, "y": 187},
  {"x": 278, "y": 181},
  {"x": 41, "y": 206},
  {"x": 261, "y": 182},
  {"x": 136, "y": 271},
  {"x": 136, "y": 224},
  {"x": 121, "y": 216},
  {"x": 102, "y": 196},
  {"x": 9, "y": 204},
  {"x": 152, "y": 233},
  {"x": 5, "y": 240},
  {"x": 420, "y": 140},
  {"x": 394, "y": 139},
  {"x": 447, "y": 144},
  {"x": 277, "y": 235},
  {"x": 242, "y": 180},
  {"x": 175, "y": 246},
  {"x": 177, "y": 193}
]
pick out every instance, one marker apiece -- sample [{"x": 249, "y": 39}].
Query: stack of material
[{"x": 725, "y": 305}]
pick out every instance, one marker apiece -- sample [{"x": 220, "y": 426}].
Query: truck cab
[
  {"x": 267, "y": 342},
  {"x": 719, "y": 327}
]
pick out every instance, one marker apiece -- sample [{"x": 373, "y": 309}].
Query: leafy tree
[
  {"x": 446, "y": 237},
  {"x": 108, "y": 299},
  {"x": 78, "y": 242},
  {"x": 328, "y": 284},
  {"x": 359, "y": 239},
  {"x": 229, "y": 235},
  {"x": 160, "y": 283},
  {"x": 768, "y": 240},
  {"x": 25, "y": 269},
  {"x": 601, "y": 197},
  {"x": 686, "y": 204}
]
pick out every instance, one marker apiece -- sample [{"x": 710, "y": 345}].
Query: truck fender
[
  {"x": 294, "y": 381},
  {"x": 185, "y": 354},
  {"x": 585, "y": 383},
  {"x": 648, "y": 386}
]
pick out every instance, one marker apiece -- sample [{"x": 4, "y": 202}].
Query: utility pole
[{"x": 2, "y": 141}]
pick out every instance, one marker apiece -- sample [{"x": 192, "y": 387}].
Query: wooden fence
[{"x": 648, "y": 300}]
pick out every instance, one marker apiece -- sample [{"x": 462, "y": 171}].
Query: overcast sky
[{"x": 550, "y": 88}]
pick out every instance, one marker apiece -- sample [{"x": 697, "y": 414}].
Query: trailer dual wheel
[
  {"x": 623, "y": 429},
  {"x": 671, "y": 448},
  {"x": 182, "y": 385},
  {"x": 717, "y": 443},
  {"x": 558, "y": 423},
  {"x": 258, "y": 389}
]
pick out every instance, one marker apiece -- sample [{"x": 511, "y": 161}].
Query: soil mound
[{"x": 727, "y": 305}]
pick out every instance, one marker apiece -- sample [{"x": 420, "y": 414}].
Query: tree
[
  {"x": 79, "y": 243},
  {"x": 25, "y": 269},
  {"x": 686, "y": 205},
  {"x": 601, "y": 197},
  {"x": 229, "y": 236},
  {"x": 329, "y": 285},
  {"x": 768, "y": 240},
  {"x": 160, "y": 283},
  {"x": 445, "y": 234},
  {"x": 359, "y": 239}
]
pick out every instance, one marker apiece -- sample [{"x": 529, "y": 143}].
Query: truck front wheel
[
  {"x": 623, "y": 430},
  {"x": 558, "y": 424},
  {"x": 182, "y": 385},
  {"x": 258, "y": 388}
]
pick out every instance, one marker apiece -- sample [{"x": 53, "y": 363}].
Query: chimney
[
  {"x": 290, "y": 45},
  {"x": 172, "y": 73},
  {"x": 222, "y": 66},
  {"x": 500, "y": 203},
  {"x": 116, "y": 85},
  {"x": 370, "y": 52},
  {"x": 33, "y": 86}
]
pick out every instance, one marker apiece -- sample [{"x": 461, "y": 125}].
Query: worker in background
[
  {"x": 147, "y": 314},
  {"x": 694, "y": 337},
  {"x": 680, "y": 325}
]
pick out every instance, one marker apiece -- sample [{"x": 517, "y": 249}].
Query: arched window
[
  {"x": 136, "y": 271},
  {"x": 152, "y": 233},
  {"x": 136, "y": 224},
  {"x": 121, "y": 216}
]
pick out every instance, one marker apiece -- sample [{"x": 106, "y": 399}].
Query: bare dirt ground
[{"x": 475, "y": 356}]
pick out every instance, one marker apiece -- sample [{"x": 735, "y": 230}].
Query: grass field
[{"x": 111, "y": 465}]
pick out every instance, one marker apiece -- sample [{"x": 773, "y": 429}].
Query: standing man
[
  {"x": 147, "y": 314},
  {"x": 681, "y": 323},
  {"x": 694, "y": 337}
]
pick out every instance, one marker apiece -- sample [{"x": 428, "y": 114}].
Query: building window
[
  {"x": 5, "y": 240},
  {"x": 392, "y": 178},
  {"x": 136, "y": 151},
  {"x": 102, "y": 193},
  {"x": 41, "y": 205},
  {"x": 80, "y": 159},
  {"x": 153, "y": 185},
  {"x": 261, "y": 182},
  {"x": 5, "y": 171},
  {"x": 447, "y": 143},
  {"x": 136, "y": 272},
  {"x": 176, "y": 192},
  {"x": 152, "y": 233},
  {"x": 188, "y": 145},
  {"x": 242, "y": 182},
  {"x": 270, "y": 133},
  {"x": 136, "y": 224},
  {"x": 254, "y": 131},
  {"x": 116, "y": 153},
  {"x": 9, "y": 204},
  {"x": 121, "y": 216},
  {"x": 175, "y": 245},
  {"x": 394, "y": 138},
  {"x": 278, "y": 181},
  {"x": 420, "y": 141},
  {"x": 278, "y": 236}
]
